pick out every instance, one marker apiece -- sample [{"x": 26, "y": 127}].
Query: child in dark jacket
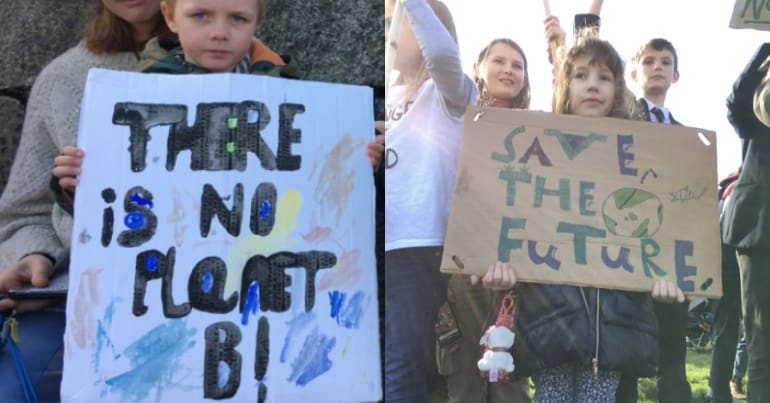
[{"x": 576, "y": 341}]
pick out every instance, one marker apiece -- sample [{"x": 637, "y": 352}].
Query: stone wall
[{"x": 333, "y": 40}]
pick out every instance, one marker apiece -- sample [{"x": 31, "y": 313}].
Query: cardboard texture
[
  {"x": 753, "y": 14},
  {"x": 217, "y": 252},
  {"x": 599, "y": 202}
]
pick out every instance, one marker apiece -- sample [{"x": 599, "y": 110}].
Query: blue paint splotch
[
  {"x": 252, "y": 302},
  {"x": 265, "y": 209},
  {"x": 296, "y": 325},
  {"x": 138, "y": 199},
  {"x": 207, "y": 281},
  {"x": 348, "y": 314},
  {"x": 151, "y": 263},
  {"x": 134, "y": 220},
  {"x": 336, "y": 298},
  {"x": 313, "y": 359},
  {"x": 154, "y": 360},
  {"x": 103, "y": 340}
]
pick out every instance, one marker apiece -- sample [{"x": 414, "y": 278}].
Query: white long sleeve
[{"x": 442, "y": 56}]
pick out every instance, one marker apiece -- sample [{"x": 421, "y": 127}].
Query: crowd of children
[
  {"x": 567, "y": 336},
  {"x": 577, "y": 344}
]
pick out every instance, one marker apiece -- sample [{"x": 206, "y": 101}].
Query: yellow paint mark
[
  {"x": 277, "y": 240},
  {"x": 345, "y": 348}
]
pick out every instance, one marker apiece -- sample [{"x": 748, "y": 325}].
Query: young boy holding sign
[{"x": 216, "y": 36}]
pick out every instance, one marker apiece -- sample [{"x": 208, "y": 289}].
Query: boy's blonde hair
[
  {"x": 598, "y": 52},
  {"x": 261, "y": 9}
]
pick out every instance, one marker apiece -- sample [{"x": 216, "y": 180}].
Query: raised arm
[
  {"x": 740, "y": 103},
  {"x": 442, "y": 56},
  {"x": 596, "y": 7}
]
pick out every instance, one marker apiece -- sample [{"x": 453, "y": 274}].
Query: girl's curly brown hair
[{"x": 599, "y": 52}]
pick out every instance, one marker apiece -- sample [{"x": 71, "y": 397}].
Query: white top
[
  {"x": 653, "y": 118},
  {"x": 423, "y": 137}
]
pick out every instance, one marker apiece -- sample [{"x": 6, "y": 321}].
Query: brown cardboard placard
[
  {"x": 753, "y": 14},
  {"x": 602, "y": 202}
]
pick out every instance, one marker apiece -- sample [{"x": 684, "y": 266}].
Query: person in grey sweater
[{"x": 34, "y": 230}]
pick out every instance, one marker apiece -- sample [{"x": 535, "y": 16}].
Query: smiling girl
[{"x": 501, "y": 75}]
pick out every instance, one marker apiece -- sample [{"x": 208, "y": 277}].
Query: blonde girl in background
[
  {"x": 424, "y": 119},
  {"x": 501, "y": 75},
  {"x": 502, "y": 79}
]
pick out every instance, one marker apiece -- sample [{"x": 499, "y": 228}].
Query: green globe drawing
[{"x": 632, "y": 212}]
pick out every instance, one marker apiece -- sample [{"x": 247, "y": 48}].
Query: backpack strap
[{"x": 9, "y": 336}]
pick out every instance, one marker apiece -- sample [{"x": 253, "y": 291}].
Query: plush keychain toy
[{"x": 497, "y": 362}]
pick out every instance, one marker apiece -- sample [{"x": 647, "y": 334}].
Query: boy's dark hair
[{"x": 657, "y": 44}]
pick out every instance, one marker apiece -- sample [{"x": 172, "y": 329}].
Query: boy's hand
[
  {"x": 379, "y": 126},
  {"x": 499, "y": 276},
  {"x": 667, "y": 291},
  {"x": 374, "y": 150},
  {"x": 66, "y": 167},
  {"x": 32, "y": 269}
]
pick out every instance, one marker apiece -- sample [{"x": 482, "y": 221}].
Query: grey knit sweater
[{"x": 30, "y": 221}]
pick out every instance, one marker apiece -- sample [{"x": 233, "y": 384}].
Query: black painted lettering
[
  {"x": 221, "y": 340},
  {"x": 269, "y": 274},
  {"x": 152, "y": 265},
  {"x": 140, "y": 118},
  {"x": 108, "y": 216},
  {"x": 206, "y": 287},
  {"x": 287, "y": 135},
  {"x": 263, "y": 209},
  {"x": 262, "y": 358},
  {"x": 139, "y": 219},
  {"x": 213, "y": 204}
]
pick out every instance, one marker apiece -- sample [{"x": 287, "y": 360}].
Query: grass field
[{"x": 698, "y": 364}]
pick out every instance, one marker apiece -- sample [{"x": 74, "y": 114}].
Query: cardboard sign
[
  {"x": 599, "y": 202},
  {"x": 223, "y": 242},
  {"x": 753, "y": 14}
]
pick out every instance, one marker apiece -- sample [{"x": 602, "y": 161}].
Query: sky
[{"x": 711, "y": 55}]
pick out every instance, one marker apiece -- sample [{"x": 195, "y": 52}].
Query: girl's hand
[
  {"x": 375, "y": 149},
  {"x": 554, "y": 35},
  {"x": 34, "y": 269},
  {"x": 499, "y": 276},
  {"x": 66, "y": 167},
  {"x": 667, "y": 291}
]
